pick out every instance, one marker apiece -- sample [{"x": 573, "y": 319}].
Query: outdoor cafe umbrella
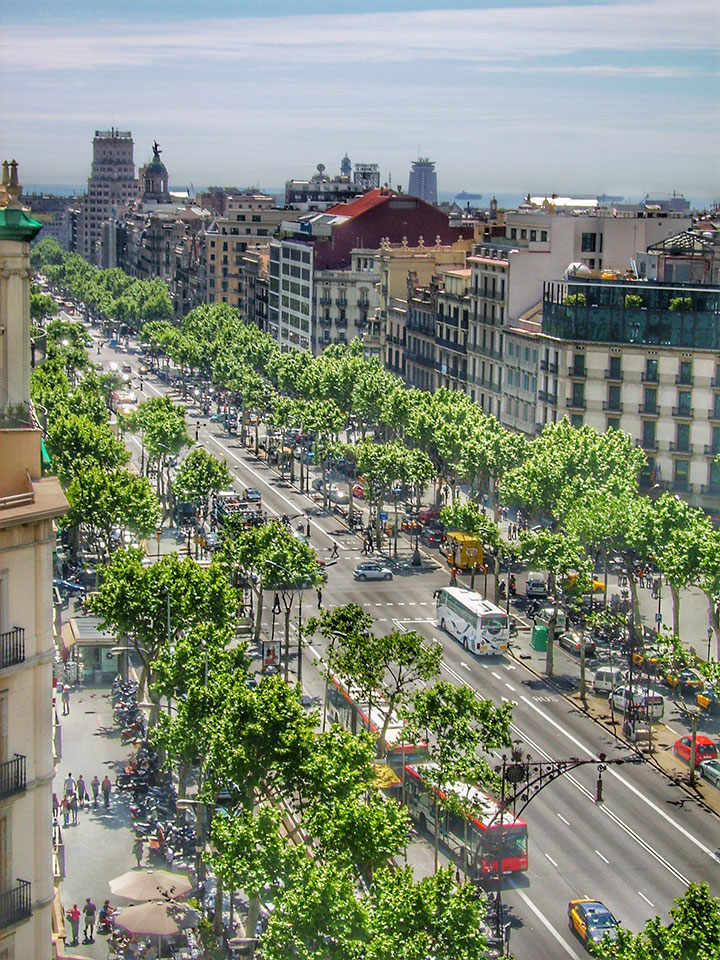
[
  {"x": 157, "y": 918},
  {"x": 150, "y": 884}
]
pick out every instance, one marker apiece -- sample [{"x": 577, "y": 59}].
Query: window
[
  {"x": 650, "y": 402},
  {"x": 684, "y": 400},
  {"x": 615, "y": 372},
  {"x": 613, "y": 423},
  {"x": 543, "y": 236},
  {"x": 523, "y": 234},
  {"x": 578, "y": 365},
  {"x": 716, "y": 406},
  {"x": 682, "y": 438},
  {"x": 613, "y": 400},
  {"x": 685, "y": 374},
  {"x": 513, "y": 233},
  {"x": 578, "y": 395},
  {"x": 588, "y": 242},
  {"x": 715, "y": 443},
  {"x": 533, "y": 235},
  {"x": 682, "y": 474},
  {"x": 651, "y": 370},
  {"x": 648, "y": 434},
  {"x": 576, "y": 420}
]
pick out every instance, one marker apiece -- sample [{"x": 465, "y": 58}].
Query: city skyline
[{"x": 614, "y": 97}]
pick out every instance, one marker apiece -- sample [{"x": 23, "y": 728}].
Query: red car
[
  {"x": 705, "y": 749},
  {"x": 430, "y": 515}
]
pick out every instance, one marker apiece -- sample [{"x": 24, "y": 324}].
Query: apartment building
[
  {"x": 254, "y": 277},
  {"x": 29, "y": 504},
  {"x": 111, "y": 186},
  {"x": 322, "y": 191},
  {"x": 345, "y": 299},
  {"x": 422, "y": 181}
]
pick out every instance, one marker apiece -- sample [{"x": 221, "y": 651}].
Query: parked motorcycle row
[{"x": 127, "y": 712}]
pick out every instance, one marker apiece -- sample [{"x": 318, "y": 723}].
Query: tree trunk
[
  {"x": 258, "y": 611},
  {"x": 288, "y": 607},
  {"x": 218, "y": 921},
  {"x": 675, "y": 594}
]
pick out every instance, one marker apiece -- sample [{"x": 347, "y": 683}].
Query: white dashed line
[
  {"x": 646, "y": 899},
  {"x": 463, "y": 664},
  {"x": 605, "y": 859},
  {"x": 496, "y": 675},
  {"x": 553, "y": 862},
  {"x": 510, "y": 687},
  {"x": 566, "y": 822}
]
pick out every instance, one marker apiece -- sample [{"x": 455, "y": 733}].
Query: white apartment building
[
  {"x": 29, "y": 504},
  {"x": 345, "y": 299},
  {"x": 290, "y": 294}
]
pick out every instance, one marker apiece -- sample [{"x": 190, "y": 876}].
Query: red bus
[
  {"x": 479, "y": 835},
  {"x": 344, "y": 708}
]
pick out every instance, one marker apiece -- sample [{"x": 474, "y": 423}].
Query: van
[
  {"x": 607, "y": 678},
  {"x": 462, "y": 550},
  {"x": 650, "y": 703},
  {"x": 544, "y": 615}
]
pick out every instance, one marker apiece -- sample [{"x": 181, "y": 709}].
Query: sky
[{"x": 539, "y": 96}]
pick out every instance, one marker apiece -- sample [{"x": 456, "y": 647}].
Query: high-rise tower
[
  {"x": 111, "y": 185},
  {"x": 423, "y": 180}
]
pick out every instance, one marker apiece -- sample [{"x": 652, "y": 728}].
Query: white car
[
  {"x": 536, "y": 585},
  {"x": 372, "y": 570},
  {"x": 647, "y": 703}
]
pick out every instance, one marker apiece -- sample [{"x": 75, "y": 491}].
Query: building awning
[
  {"x": 67, "y": 637},
  {"x": 44, "y": 455}
]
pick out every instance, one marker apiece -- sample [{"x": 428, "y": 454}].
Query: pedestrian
[
  {"x": 335, "y": 552},
  {"x": 106, "y": 788},
  {"x": 73, "y": 916},
  {"x": 364, "y": 549},
  {"x": 137, "y": 850},
  {"x": 65, "y": 808},
  {"x": 307, "y": 530},
  {"x": 66, "y": 699},
  {"x": 95, "y": 787},
  {"x": 56, "y": 806},
  {"x": 319, "y": 599},
  {"x": 89, "y": 911},
  {"x": 74, "y": 806},
  {"x": 69, "y": 785},
  {"x": 82, "y": 791}
]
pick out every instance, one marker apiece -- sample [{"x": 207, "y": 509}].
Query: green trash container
[{"x": 539, "y": 638}]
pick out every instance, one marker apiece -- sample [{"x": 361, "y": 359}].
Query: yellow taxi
[{"x": 591, "y": 920}]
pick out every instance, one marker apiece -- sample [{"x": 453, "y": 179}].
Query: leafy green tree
[
  {"x": 692, "y": 934},
  {"x": 76, "y": 443},
  {"x": 161, "y": 424},
  {"x": 467, "y": 517},
  {"x": 100, "y": 501},
  {"x": 201, "y": 476}
]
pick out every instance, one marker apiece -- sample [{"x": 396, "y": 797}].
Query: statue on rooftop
[{"x": 156, "y": 150}]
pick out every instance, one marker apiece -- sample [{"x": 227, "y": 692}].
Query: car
[
  {"x": 572, "y": 641},
  {"x": 126, "y": 368},
  {"x": 253, "y": 495},
  {"x": 218, "y": 417},
  {"x": 432, "y": 537},
  {"x": 338, "y": 496},
  {"x": 372, "y": 570},
  {"x": 536, "y": 585},
  {"x": 686, "y": 680},
  {"x": 591, "y": 920},
  {"x": 710, "y": 771},
  {"x": 143, "y": 369},
  {"x": 429, "y": 515},
  {"x": 358, "y": 491},
  {"x": 705, "y": 749},
  {"x": 644, "y": 700}
]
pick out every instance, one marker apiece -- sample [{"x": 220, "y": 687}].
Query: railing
[
  {"x": 325, "y": 301},
  {"x": 450, "y": 345},
  {"x": 682, "y": 486},
  {"x": 648, "y": 377},
  {"x": 647, "y": 444},
  {"x": 363, "y": 304},
  {"x": 713, "y": 414},
  {"x": 577, "y": 373},
  {"x": 13, "y": 778},
  {"x": 611, "y": 406},
  {"x": 711, "y": 489},
  {"x": 613, "y": 375},
  {"x": 680, "y": 447},
  {"x": 341, "y": 321},
  {"x": 341, "y": 301},
  {"x": 649, "y": 409},
  {"x": 575, "y": 403},
  {"x": 546, "y": 397},
  {"x": 548, "y": 367},
  {"x": 711, "y": 450},
  {"x": 684, "y": 381},
  {"x": 684, "y": 413},
  {"x": 16, "y": 904},
  {"x": 12, "y": 647}
]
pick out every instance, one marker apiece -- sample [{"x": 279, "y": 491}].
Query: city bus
[
  {"x": 479, "y": 836},
  {"x": 344, "y": 708},
  {"x": 480, "y": 626}
]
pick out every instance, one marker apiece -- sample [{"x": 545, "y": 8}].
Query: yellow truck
[{"x": 462, "y": 550}]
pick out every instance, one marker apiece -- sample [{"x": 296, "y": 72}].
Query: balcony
[
  {"x": 648, "y": 377},
  {"x": 612, "y": 406},
  {"x": 575, "y": 403},
  {"x": 548, "y": 367},
  {"x": 577, "y": 373},
  {"x": 325, "y": 300},
  {"x": 710, "y": 489},
  {"x": 12, "y": 647},
  {"x": 684, "y": 381},
  {"x": 341, "y": 321},
  {"x": 714, "y": 414},
  {"x": 16, "y": 904},
  {"x": 649, "y": 409},
  {"x": 614, "y": 375},
  {"x": 545, "y": 397},
  {"x": 683, "y": 413},
  {"x": 711, "y": 450},
  {"x": 450, "y": 345},
  {"x": 325, "y": 321},
  {"x": 363, "y": 303},
  {"x": 13, "y": 778},
  {"x": 647, "y": 444},
  {"x": 341, "y": 302},
  {"x": 685, "y": 448},
  {"x": 361, "y": 323}
]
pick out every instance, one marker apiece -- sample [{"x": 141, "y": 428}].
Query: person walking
[
  {"x": 137, "y": 850},
  {"x": 66, "y": 699},
  {"x": 307, "y": 530},
  {"x": 319, "y": 599},
  {"x": 95, "y": 787},
  {"x": 106, "y": 789},
  {"x": 82, "y": 792},
  {"x": 89, "y": 911},
  {"x": 73, "y": 916},
  {"x": 74, "y": 806},
  {"x": 364, "y": 548},
  {"x": 334, "y": 552},
  {"x": 65, "y": 808},
  {"x": 69, "y": 784}
]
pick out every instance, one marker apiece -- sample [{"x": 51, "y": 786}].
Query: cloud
[{"x": 485, "y": 36}]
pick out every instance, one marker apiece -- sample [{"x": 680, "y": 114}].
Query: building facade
[
  {"x": 112, "y": 185},
  {"x": 423, "y": 180},
  {"x": 29, "y": 504}
]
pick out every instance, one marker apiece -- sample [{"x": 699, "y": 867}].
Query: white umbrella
[{"x": 150, "y": 884}]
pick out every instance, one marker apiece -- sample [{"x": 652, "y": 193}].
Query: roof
[
  {"x": 361, "y": 204},
  {"x": 686, "y": 243},
  {"x": 16, "y": 224}
]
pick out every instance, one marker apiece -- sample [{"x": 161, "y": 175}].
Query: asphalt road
[{"x": 636, "y": 851}]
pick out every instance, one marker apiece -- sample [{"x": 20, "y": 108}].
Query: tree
[
  {"x": 101, "y": 502},
  {"x": 76, "y": 443},
  {"x": 162, "y": 425},
  {"x": 455, "y": 724},
  {"x": 466, "y": 517},
  {"x": 692, "y": 934},
  {"x": 201, "y": 476}
]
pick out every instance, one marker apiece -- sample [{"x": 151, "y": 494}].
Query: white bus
[{"x": 480, "y": 626}]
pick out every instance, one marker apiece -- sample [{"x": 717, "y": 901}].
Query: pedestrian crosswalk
[{"x": 398, "y": 603}]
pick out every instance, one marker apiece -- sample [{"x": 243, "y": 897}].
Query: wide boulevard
[{"x": 636, "y": 851}]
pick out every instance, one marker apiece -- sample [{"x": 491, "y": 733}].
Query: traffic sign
[
  {"x": 658, "y": 618},
  {"x": 383, "y": 514},
  {"x": 158, "y": 533}
]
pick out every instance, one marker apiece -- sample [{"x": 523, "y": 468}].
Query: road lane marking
[
  {"x": 602, "y": 857},
  {"x": 646, "y": 899},
  {"x": 553, "y": 862},
  {"x": 613, "y": 773},
  {"x": 543, "y": 920},
  {"x": 496, "y": 675},
  {"x": 463, "y": 664},
  {"x": 510, "y": 687},
  {"x": 566, "y": 822},
  {"x": 400, "y": 603}
]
